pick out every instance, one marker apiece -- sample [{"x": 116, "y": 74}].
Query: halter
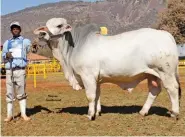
[{"x": 51, "y": 36}]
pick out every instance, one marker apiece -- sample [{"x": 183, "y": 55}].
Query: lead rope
[{"x": 12, "y": 79}]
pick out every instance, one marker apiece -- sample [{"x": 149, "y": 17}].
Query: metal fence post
[{"x": 34, "y": 76}]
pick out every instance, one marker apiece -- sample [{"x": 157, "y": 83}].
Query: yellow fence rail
[
  {"x": 181, "y": 63},
  {"x": 43, "y": 69},
  {"x": 55, "y": 68}
]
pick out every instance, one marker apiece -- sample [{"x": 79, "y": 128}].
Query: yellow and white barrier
[
  {"x": 55, "y": 68},
  {"x": 181, "y": 62},
  {"x": 43, "y": 69}
]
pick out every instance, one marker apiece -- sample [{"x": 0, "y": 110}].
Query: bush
[{"x": 173, "y": 20}]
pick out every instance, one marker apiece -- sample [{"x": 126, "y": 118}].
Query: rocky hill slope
[{"x": 116, "y": 15}]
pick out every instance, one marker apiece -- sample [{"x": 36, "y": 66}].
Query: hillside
[{"x": 116, "y": 15}]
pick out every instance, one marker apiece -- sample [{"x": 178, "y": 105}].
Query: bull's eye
[{"x": 60, "y": 26}]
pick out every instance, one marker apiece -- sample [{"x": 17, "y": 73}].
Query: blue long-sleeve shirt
[{"x": 17, "y": 43}]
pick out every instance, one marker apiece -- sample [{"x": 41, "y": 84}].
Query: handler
[{"x": 15, "y": 56}]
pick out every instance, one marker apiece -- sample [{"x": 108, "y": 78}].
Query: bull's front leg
[{"x": 90, "y": 89}]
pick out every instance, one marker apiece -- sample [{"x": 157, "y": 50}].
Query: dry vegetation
[
  {"x": 173, "y": 20},
  {"x": 65, "y": 115}
]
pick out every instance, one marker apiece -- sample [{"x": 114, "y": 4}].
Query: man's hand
[{"x": 9, "y": 55}]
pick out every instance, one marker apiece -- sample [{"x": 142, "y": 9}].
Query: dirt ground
[{"x": 57, "y": 110}]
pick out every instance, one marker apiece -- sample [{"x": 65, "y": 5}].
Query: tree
[{"x": 173, "y": 20}]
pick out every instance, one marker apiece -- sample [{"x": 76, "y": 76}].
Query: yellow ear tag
[{"x": 103, "y": 31}]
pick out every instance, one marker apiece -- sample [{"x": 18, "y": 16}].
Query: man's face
[{"x": 16, "y": 31}]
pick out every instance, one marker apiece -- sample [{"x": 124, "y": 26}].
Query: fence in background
[
  {"x": 54, "y": 68},
  {"x": 43, "y": 69}
]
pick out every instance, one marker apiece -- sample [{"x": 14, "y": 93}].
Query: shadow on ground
[
  {"x": 115, "y": 109},
  {"x": 37, "y": 109},
  {"x": 161, "y": 111}
]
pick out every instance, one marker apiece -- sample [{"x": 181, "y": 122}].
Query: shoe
[
  {"x": 8, "y": 119},
  {"x": 26, "y": 118},
  {"x": 22, "y": 104}
]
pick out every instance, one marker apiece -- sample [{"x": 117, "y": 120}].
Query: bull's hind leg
[
  {"x": 98, "y": 104},
  {"x": 171, "y": 85},
  {"x": 154, "y": 86}
]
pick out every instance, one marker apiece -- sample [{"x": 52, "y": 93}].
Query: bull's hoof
[
  {"x": 173, "y": 115},
  {"x": 92, "y": 118},
  {"x": 8, "y": 119},
  {"x": 143, "y": 113},
  {"x": 98, "y": 113},
  {"x": 77, "y": 87},
  {"x": 130, "y": 90}
]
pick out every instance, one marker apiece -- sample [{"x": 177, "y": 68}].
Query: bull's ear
[
  {"x": 40, "y": 29},
  {"x": 68, "y": 28}
]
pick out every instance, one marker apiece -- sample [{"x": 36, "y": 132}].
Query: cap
[{"x": 15, "y": 23}]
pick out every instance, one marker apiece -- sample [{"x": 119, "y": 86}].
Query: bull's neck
[{"x": 64, "y": 48}]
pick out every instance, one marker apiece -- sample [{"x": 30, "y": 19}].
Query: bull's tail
[{"x": 179, "y": 91}]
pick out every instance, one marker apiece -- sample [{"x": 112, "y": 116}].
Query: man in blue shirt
[{"x": 14, "y": 55}]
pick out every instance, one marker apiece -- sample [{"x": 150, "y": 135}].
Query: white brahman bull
[{"x": 124, "y": 59}]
